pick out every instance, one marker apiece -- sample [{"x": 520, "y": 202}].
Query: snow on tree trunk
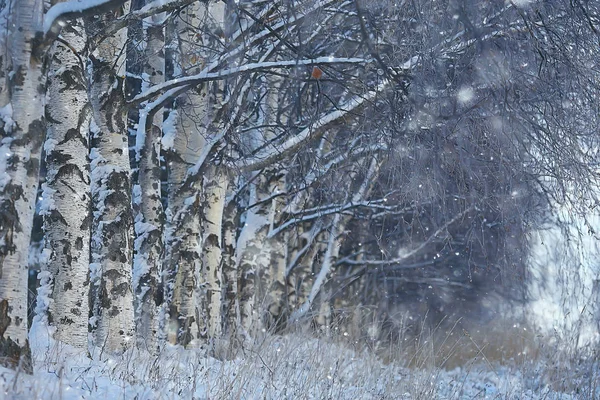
[
  {"x": 168, "y": 324},
  {"x": 183, "y": 236},
  {"x": 66, "y": 193},
  {"x": 4, "y": 58},
  {"x": 215, "y": 187},
  {"x": 112, "y": 229},
  {"x": 261, "y": 258},
  {"x": 149, "y": 220},
  {"x": 21, "y": 136}
]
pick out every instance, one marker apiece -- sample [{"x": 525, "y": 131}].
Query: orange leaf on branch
[{"x": 316, "y": 73}]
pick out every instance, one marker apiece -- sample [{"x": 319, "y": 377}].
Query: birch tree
[
  {"x": 23, "y": 92},
  {"x": 147, "y": 265},
  {"x": 112, "y": 238},
  {"x": 193, "y": 117},
  {"x": 66, "y": 193},
  {"x": 231, "y": 299},
  {"x": 215, "y": 189}
]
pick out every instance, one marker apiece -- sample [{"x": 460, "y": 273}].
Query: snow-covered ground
[{"x": 283, "y": 367}]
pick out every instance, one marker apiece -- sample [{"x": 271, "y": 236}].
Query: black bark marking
[
  {"x": 4, "y": 318},
  {"x": 73, "y": 80},
  {"x": 74, "y": 133},
  {"x": 67, "y": 253},
  {"x": 120, "y": 290},
  {"x": 87, "y": 222},
  {"x": 69, "y": 170},
  {"x": 58, "y": 157},
  {"x": 32, "y": 166},
  {"x": 66, "y": 321},
  {"x": 11, "y": 354},
  {"x": 18, "y": 78},
  {"x": 212, "y": 240},
  {"x": 54, "y": 216}
]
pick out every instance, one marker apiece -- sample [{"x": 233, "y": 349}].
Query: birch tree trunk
[
  {"x": 112, "y": 235},
  {"x": 149, "y": 220},
  {"x": 304, "y": 274},
  {"x": 276, "y": 286},
  {"x": 194, "y": 116},
  {"x": 183, "y": 214},
  {"x": 262, "y": 258},
  {"x": 215, "y": 187},
  {"x": 231, "y": 306},
  {"x": 20, "y": 147},
  {"x": 66, "y": 193},
  {"x": 183, "y": 237}
]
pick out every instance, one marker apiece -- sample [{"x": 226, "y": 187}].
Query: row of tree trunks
[
  {"x": 95, "y": 236},
  {"x": 261, "y": 257}
]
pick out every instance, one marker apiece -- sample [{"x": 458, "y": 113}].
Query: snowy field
[{"x": 292, "y": 367}]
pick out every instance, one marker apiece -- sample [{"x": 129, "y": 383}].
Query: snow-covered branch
[
  {"x": 153, "y": 8},
  {"x": 56, "y": 16},
  {"x": 205, "y": 75},
  {"x": 318, "y": 172},
  {"x": 318, "y": 212},
  {"x": 276, "y": 152}
]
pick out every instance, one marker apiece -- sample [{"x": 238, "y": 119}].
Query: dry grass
[{"x": 447, "y": 361}]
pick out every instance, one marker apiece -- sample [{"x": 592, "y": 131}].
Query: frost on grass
[{"x": 290, "y": 367}]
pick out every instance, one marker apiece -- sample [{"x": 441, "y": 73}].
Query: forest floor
[{"x": 293, "y": 367}]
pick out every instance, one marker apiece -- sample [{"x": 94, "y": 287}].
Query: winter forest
[{"x": 413, "y": 181}]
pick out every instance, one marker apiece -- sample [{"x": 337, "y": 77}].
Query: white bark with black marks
[
  {"x": 112, "y": 229},
  {"x": 195, "y": 114},
  {"x": 66, "y": 193},
  {"x": 231, "y": 305},
  {"x": 215, "y": 189},
  {"x": 147, "y": 268},
  {"x": 21, "y": 137}
]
